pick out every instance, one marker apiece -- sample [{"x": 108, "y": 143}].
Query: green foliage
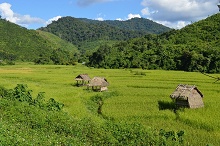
[
  {"x": 39, "y": 100},
  {"x": 167, "y": 138},
  {"x": 23, "y": 124},
  {"x": 131, "y": 134},
  {"x": 19, "y": 43},
  {"x": 4, "y": 55},
  {"x": 82, "y": 31},
  {"x": 57, "y": 57},
  {"x": 57, "y": 42},
  {"x": 53, "y": 105},
  {"x": 3, "y": 91},
  {"x": 22, "y": 94},
  {"x": 63, "y": 57},
  {"x": 134, "y": 24},
  {"x": 57, "y": 128},
  {"x": 6, "y": 62},
  {"x": 193, "y": 48}
]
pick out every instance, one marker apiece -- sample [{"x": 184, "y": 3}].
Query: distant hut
[
  {"x": 187, "y": 96},
  {"x": 98, "y": 84},
  {"x": 82, "y": 79}
]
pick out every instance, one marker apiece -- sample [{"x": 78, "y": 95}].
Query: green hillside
[
  {"x": 19, "y": 43},
  {"x": 205, "y": 32},
  {"x": 81, "y": 31},
  {"x": 192, "y": 48},
  {"x": 57, "y": 42}
]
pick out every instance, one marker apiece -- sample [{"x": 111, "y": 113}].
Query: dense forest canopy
[
  {"x": 193, "y": 48},
  {"x": 134, "y": 24},
  {"x": 19, "y": 43},
  {"x": 80, "y": 31}
]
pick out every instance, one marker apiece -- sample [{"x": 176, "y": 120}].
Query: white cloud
[
  {"x": 181, "y": 24},
  {"x": 145, "y": 11},
  {"x": 100, "y": 19},
  {"x": 53, "y": 19},
  {"x": 7, "y": 13},
  {"x": 130, "y": 16},
  {"x": 178, "y": 13},
  {"x": 119, "y": 19},
  {"x": 25, "y": 20},
  {"x": 176, "y": 24}
]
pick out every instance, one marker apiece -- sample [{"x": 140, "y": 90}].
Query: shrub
[{"x": 22, "y": 94}]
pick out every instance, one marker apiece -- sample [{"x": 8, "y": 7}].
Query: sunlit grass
[{"x": 136, "y": 100}]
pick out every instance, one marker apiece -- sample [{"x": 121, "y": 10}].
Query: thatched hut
[
  {"x": 187, "y": 96},
  {"x": 98, "y": 84},
  {"x": 82, "y": 79}
]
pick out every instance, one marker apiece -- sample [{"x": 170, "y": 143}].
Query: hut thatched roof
[
  {"x": 83, "y": 77},
  {"x": 184, "y": 91},
  {"x": 98, "y": 81}
]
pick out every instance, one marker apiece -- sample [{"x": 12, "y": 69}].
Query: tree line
[{"x": 193, "y": 48}]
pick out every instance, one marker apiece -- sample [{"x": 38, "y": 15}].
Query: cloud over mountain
[
  {"x": 53, "y": 19},
  {"x": 172, "y": 11}
]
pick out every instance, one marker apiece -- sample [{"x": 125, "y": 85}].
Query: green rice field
[{"x": 135, "y": 94}]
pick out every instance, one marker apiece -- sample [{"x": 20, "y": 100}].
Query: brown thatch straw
[
  {"x": 98, "y": 81},
  {"x": 83, "y": 77},
  {"x": 187, "y": 96}
]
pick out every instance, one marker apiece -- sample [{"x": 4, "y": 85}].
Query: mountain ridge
[
  {"x": 145, "y": 25},
  {"x": 82, "y": 30}
]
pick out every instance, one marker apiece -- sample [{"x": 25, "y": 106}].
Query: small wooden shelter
[
  {"x": 82, "y": 79},
  {"x": 98, "y": 84},
  {"x": 187, "y": 96}
]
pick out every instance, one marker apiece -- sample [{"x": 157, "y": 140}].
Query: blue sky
[{"x": 33, "y": 14}]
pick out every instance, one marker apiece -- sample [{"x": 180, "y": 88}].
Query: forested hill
[
  {"x": 205, "y": 32},
  {"x": 195, "y": 47},
  {"x": 79, "y": 31},
  {"x": 19, "y": 43},
  {"x": 134, "y": 24}
]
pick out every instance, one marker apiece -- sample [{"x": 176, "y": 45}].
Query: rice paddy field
[{"x": 135, "y": 96}]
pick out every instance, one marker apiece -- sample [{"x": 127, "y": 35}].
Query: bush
[{"x": 22, "y": 94}]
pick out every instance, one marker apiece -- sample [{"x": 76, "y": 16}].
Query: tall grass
[{"x": 136, "y": 100}]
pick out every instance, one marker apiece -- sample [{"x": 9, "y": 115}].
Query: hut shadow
[
  {"x": 165, "y": 105},
  {"x": 78, "y": 85},
  {"x": 74, "y": 85}
]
